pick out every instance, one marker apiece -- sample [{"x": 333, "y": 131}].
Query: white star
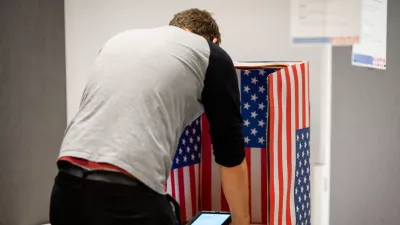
[
  {"x": 254, "y": 131},
  {"x": 302, "y": 136},
  {"x": 305, "y": 179},
  {"x": 308, "y": 187},
  {"x": 305, "y": 214},
  {"x": 308, "y": 153},
  {"x": 302, "y": 189},
  {"x": 302, "y": 172},
  {"x": 247, "y": 72},
  {"x": 180, "y": 151},
  {"x": 197, "y": 122},
  {"x": 306, "y": 221},
  {"x": 302, "y": 223},
  {"x": 194, "y": 130},
  {"x": 191, "y": 140},
  {"x": 300, "y": 145},
  {"x": 183, "y": 141},
  {"x": 308, "y": 170},
  {"x": 254, "y": 97},
  {"x": 305, "y": 144},
  {"x": 198, "y": 138},
  {"x": 309, "y": 212},
  {"x": 247, "y": 140},
  {"x": 254, "y": 114},
  {"x": 302, "y": 153},
  {"x": 193, "y": 156},
  {"x": 246, "y": 123},
  {"x": 261, "y": 123},
  {"x": 177, "y": 161},
  {"x": 184, "y": 158},
  {"x": 187, "y": 149},
  {"x": 299, "y": 181},
  {"x": 261, "y": 106},
  {"x": 305, "y": 197},
  {"x": 295, "y": 191},
  {"x": 298, "y": 155},
  {"x": 300, "y": 163},
  {"x": 246, "y": 89},
  {"x": 307, "y": 134},
  {"x": 187, "y": 132},
  {"x": 308, "y": 205},
  {"x": 261, "y": 89},
  {"x": 301, "y": 217},
  {"x": 297, "y": 137},
  {"x": 297, "y": 173},
  {"x": 262, "y": 72},
  {"x": 196, "y": 148},
  {"x": 305, "y": 162},
  {"x": 302, "y": 207},
  {"x": 261, "y": 140},
  {"x": 199, "y": 155},
  {"x": 299, "y": 199},
  {"x": 297, "y": 208},
  {"x": 246, "y": 105},
  {"x": 254, "y": 80}
]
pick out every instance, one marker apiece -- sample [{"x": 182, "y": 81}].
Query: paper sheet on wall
[
  {"x": 336, "y": 22},
  {"x": 371, "y": 50}
]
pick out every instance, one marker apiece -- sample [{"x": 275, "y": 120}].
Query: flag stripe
[
  {"x": 249, "y": 162},
  {"x": 307, "y": 94},
  {"x": 283, "y": 161},
  {"x": 181, "y": 192},
  {"x": 264, "y": 186},
  {"x": 206, "y": 172},
  {"x": 293, "y": 141},
  {"x": 296, "y": 92},
  {"x": 279, "y": 150},
  {"x": 193, "y": 190},
  {"x": 300, "y": 94},
  {"x": 303, "y": 95},
  {"x": 289, "y": 145},
  {"x": 272, "y": 151}
]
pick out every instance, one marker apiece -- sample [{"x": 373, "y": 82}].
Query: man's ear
[{"x": 215, "y": 41}]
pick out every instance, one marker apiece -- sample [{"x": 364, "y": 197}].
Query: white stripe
[
  {"x": 275, "y": 141},
  {"x": 215, "y": 184},
  {"x": 293, "y": 118},
  {"x": 197, "y": 174},
  {"x": 300, "y": 93},
  {"x": 188, "y": 195},
  {"x": 307, "y": 77},
  {"x": 255, "y": 184},
  {"x": 284, "y": 146},
  {"x": 169, "y": 184},
  {"x": 176, "y": 184}
]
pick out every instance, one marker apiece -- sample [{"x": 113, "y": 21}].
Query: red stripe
[
  {"x": 182, "y": 200},
  {"x": 289, "y": 144},
  {"x": 264, "y": 191},
  {"x": 296, "y": 95},
  {"x": 173, "y": 183},
  {"x": 206, "y": 165},
  {"x": 271, "y": 151},
  {"x": 193, "y": 188},
  {"x": 280, "y": 166},
  {"x": 303, "y": 80},
  {"x": 248, "y": 161}
]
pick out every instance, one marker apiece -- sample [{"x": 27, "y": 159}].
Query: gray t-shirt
[{"x": 145, "y": 86}]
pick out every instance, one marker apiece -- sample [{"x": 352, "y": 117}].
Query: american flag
[
  {"x": 183, "y": 182},
  {"x": 289, "y": 146},
  {"x": 254, "y": 106}
]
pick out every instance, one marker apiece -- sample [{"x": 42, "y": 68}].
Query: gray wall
[
  {"x": 32, "y": 106},
  {"x": 365, "y": 182}
]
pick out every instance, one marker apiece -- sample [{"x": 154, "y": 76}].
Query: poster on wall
[
  {"x": 336, "y": 22},
  {"x": 371, "y": 50}
]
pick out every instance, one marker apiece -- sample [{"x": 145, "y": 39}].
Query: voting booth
[{"x": 275, "y": 107}]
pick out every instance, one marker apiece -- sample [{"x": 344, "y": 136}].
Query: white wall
[{"x": 251, "y": 30}]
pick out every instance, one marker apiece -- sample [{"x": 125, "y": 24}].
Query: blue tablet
[{"x": 211, "y": 218}]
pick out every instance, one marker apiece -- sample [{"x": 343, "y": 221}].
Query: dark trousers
[{"x": 81, "y": 201}]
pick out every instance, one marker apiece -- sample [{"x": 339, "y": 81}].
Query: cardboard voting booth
[{"x": 275, "y": 107}]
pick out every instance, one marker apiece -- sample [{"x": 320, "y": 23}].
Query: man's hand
[{"x": 235, "y": 184}]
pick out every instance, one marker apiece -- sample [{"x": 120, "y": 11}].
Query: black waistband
[{"x": 97, "y": 175}]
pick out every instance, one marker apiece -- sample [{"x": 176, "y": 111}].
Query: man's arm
[{"x": 221, "y": 100}]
